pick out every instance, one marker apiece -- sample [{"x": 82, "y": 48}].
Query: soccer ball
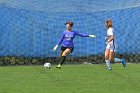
[{"x": 47, "y": 65}]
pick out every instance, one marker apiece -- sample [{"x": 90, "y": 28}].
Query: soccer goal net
[{"x": 29, "y": 29}]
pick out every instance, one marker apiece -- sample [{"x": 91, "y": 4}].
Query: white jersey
[
  {"x": 112, "y": 44},
  {"x": 110, "y": 32}
]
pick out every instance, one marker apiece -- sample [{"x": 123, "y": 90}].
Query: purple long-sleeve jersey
[{"x": 67, "y": 38}]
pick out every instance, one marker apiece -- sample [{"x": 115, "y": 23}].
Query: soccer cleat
[
  {"x": 59, "y": 66},
  {"x": 124, "y": 63}
]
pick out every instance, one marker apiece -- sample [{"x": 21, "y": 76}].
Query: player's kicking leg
[{"x": 63, "y": 57}]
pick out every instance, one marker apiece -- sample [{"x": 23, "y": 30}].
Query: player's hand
[
  {"x": 55, "y": 47},
  {"x": 93, "y": 36},
  {"x": 106, "y": 38},
  {"x": 106, "y": 42}
]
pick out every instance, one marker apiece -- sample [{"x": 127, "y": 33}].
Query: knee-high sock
[
  {"x": 108, "y": 63},
  {"x": 118, "y": 60},
  {"x": 62, "y": 60}
]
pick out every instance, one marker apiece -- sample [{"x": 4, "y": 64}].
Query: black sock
[{"x": 62, "y": 60}]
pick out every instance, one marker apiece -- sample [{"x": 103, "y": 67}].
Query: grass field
[{"x": 70, "y": 79}]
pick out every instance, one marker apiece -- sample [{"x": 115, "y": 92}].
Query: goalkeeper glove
[
  {"x": 93, "y": 36},
  {"x": 55, "y": 47}
]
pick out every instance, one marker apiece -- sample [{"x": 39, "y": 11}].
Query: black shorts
[{"x": 64, "y": 48}]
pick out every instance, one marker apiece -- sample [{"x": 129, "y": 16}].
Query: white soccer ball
[{"x": 47, "y": 65}]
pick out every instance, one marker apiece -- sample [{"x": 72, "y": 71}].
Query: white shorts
[{"x": 112, "y": 47}]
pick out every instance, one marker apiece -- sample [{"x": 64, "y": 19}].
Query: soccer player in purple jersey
[{"x": 67, "y": 42}]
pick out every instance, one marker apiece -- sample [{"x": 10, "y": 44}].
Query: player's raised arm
[{"x": 85, "y": 35}]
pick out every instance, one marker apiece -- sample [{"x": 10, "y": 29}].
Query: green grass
[{"x": 70, "y": 79}]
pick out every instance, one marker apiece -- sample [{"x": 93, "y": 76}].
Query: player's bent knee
[{"x": 64, "y": 54}]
